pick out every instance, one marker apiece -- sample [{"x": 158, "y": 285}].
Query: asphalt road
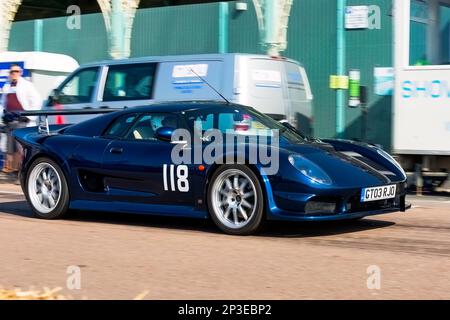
[{"x": 121, "y": 256}]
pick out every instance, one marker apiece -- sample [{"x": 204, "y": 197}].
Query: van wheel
[
  {"x": 46, "y": 189},
  {"x": 235, "y": 200}
]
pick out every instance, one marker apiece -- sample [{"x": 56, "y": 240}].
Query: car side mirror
[
  {"x": 165, "y": 133},
  {"x": 287, "y": 125},
  {"x": 53, "y": 97},
  {"x": 291, "y": 127}
]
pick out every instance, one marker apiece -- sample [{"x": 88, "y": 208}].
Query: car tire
[
  {"x": 236, "y": 200},
  {"x": 46, "y": 189}
]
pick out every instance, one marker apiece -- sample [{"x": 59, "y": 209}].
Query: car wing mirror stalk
[
  {"x": 43, "y": 126},
  {"x": 54, "y": 97}
]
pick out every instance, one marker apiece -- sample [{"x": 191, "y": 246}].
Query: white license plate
[{"x": 378, "y": 193}]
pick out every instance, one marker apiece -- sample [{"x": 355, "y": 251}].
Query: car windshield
[{"x": 243, "y": 121}]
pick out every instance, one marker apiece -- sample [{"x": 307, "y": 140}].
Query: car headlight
[
  {"x": 310, "y": 170},
  {"x": 388, "y": 157}
]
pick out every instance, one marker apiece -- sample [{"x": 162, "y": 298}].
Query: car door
[
  {"x": 86, "y": 156},
  {"x": 85, "y": 162},
  {"x": 185, "y": 80},
  {"x": 265, "y": 87},
  {"x": 299, "y": 99},
  {"x": 138, "y": 167}
]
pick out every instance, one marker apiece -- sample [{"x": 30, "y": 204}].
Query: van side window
[
  {"x": 80, "y": 87},
  {"x": 129, "y": 82}
]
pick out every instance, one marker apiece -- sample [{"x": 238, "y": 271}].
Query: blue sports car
[{"x": 205, "y": 159}]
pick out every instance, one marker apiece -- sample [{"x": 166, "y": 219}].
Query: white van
[{"x": 276, "y": 86}]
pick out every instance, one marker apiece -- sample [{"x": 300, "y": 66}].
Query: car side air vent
[{"x": 91, "y": 182}]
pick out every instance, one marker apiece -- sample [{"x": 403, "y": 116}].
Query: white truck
[{"x": 421, "y": 112}]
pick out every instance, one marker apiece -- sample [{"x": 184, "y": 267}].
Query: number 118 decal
[{"x": 182, "y": 182}]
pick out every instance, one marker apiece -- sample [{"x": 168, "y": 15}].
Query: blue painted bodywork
[{"x": 132, "y": 181}]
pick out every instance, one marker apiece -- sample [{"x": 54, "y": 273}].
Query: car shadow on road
[
  {"x": 17, "y": 208},
  {"x": 325, "y": 228},
  {"x": 274, "y": 229}
]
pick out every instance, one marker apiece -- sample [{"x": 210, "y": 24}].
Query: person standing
[{"x": 19, "y": 95}]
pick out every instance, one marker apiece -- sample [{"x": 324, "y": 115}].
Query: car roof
[{"x": 97, "y": 125}]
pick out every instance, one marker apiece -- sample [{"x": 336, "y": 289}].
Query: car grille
[
  {"x": 354, "y": 203},
  {"x": 328, "y": 206}
]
